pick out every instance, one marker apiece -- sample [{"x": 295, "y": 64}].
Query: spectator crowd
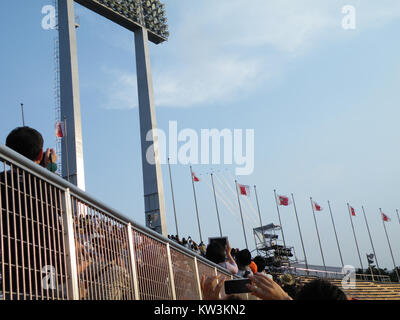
[{"x": 264, "y": 285}]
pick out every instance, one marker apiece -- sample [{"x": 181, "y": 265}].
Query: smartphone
[
  {"x": 237, "y": 286},
  {"x": 222, "y": 240}
]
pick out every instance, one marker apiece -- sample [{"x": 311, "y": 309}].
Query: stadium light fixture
[{"x": 134, "y": 14}]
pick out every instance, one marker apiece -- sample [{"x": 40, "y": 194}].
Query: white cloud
[
  {"x": 121, "y": 93},
  {"x": 222, "y": 50},
  {"x": 210, "y": 81}
]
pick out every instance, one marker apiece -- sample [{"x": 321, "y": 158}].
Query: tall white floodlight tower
[{"x": 147, "y": 19}]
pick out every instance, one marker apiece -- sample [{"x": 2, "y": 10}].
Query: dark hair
[
  {"x": 215, "y": 252},
  {"x": 320, "y": 289},
  {"x": 26, "y": 141},
  {"x": 260, "y": 262},
  {"x": 243, "y": 257},
  {"x": 291, "y": 290}
]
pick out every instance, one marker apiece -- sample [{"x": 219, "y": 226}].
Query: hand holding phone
[
  {"x": 211, "y": 287},
  {"x": 266, "y": 289}
]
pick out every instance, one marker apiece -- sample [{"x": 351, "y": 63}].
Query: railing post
[
  {"x": 133, "y": 262},
  {"x": 171, "y": 272},
  {"x": 198, "y": 278},
  {"x": 69, "y": 238},
  {"x": 216, "y": 274}
]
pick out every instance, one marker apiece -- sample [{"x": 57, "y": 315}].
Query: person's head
[
  {"x": 291, "y": 290},
  {"x": 260, "y": 262},
  {"x": 243, "y": 257},
  {"x": 27, "y": 142},
  {"x": 320, "y": 289},
  {"x": 215, "y": 252}
]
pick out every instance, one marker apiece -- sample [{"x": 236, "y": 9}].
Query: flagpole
[
  {"x": 370, "y": 268},
  {"x": 259, "y": 214},
  {"x": 370, "y": 238},
  {"x": 319, "y": 239},
  {"x": 22, "y": 112},
  {"x": 390, "y": 247},
  {"x": 216, "y": 204},
  {"x": 195, "y": 202},
  {"x": 334, "y": 228},
  {"x": 241, "y": 214},
  {"x": 355, "y": 238},
  {"x": 173, "y": 197},
  {"x": 280, "y": 222},
  {"x": 301, "y": 237},
  {"x": 66, "y": 146}
]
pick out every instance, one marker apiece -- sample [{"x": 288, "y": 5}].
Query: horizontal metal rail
[
  {"x": 339, "y": 275},
  {"x": 58, "y": 242}
]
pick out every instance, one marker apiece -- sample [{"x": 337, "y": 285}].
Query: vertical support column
[
  {"x": 152, "y": 175},
  {"x": 171, "y": 272},
  {"x": 216, "y": 274},
  {"x": 196, "y": 267},
  {"x": 133, "y": 262},
  {"x": 69, "y": 239},
  {"x": 72, "y": 145}
]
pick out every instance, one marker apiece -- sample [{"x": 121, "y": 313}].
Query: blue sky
[{"x": 322, "y": 101}]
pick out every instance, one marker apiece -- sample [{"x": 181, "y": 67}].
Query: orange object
[{"x": 253, "y": 267}]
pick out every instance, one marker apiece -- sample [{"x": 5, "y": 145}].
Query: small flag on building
[
  {"x": 370, "y": 258},
  {"x": 60, "y": 129},
  {"x": 283, "y": 200},
  {"x": 316, "y": 206},
  {"x": 385, "y": 217},
  {"x": 353, "y": 212},
  {"x": 244, "y": 190}
]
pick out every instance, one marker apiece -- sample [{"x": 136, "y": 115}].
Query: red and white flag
[
  {"x": 283, "y": 200},
  {"x": 195, "y": 179},
  {"x": 316, "y": 206},
  {"x": 385, "y": 217},
  {"x": 60, "y": 129},
  {"x": 353, "y": 212},
  {"x": 244, "y": 190}
]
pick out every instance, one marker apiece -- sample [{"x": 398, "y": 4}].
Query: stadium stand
[{"x": 367, "y": 290}]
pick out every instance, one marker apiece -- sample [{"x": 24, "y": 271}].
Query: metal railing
[
  {"x": 334, "y": 275},
  {"x": 57, "y": 242}
]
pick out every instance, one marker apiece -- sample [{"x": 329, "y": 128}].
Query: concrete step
[{"x": 365, "y": 290}]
